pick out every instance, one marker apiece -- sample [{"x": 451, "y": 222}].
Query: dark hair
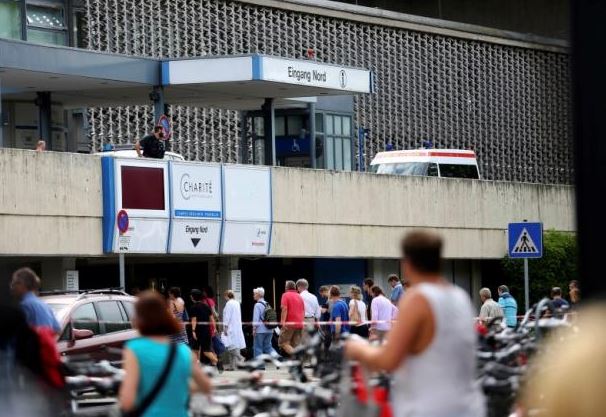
[
  {"x": 158, "y": 129},
  {"x": 28, "y": 278},
  {"x": 175, "y": 292},
  {"x": 209, "y": 292},
  {"x": 376, "y": 290},
  {"x": 575, "y": 283},
  {"x": 323, "y": 288},
  {"x": 393, "y": 277},
  {"x": 335, "y": 291},
  {"x": 369, "y": 282},
  {"x": 196, "y": 295},
  {"x": 153, "y": 317},
  {"x": 423, "y": 250},
  {"x": 556, "y": 291}
]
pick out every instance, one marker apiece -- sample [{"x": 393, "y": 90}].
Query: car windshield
[
  {"x": 404, "y": 168},
  {"x": 59, "y": 309}
]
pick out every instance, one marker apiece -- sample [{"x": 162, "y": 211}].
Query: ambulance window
[
  {"x": 459, "y": 171},
  {"x": 432, "y": 170}
]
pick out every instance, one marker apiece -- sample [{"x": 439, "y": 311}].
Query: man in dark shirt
[
  {"x": 557, "y": 302},
  {"x": 153, "y": 145},
  {"x": 367, "y": 293},
  {"x": 201, "y": 315}
]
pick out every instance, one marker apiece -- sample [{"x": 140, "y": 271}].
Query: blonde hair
[
  {"x": 356, "y": 292},
  {"x": 229, "y": 294},
  {"x": 571, "y": 368}
]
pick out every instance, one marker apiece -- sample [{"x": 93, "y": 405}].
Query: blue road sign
[{"x": 525, "y": 240}]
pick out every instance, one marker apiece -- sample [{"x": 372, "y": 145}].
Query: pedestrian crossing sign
[{"x": 525, "y": 240}]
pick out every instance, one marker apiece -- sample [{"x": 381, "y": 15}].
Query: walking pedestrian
[
  {"x": 574, "y": 293},
  {"x": 311, "y": 305},
  {"x": 382, "y": 313},
  {"x": 291, "y": 318},
  {"x": 208, "y": 297},
  {"x": 201, "y": 320},
  {"x": 339, "y": 314},
  {"x": 176, "y": 305},
  {"x": 24, "y": 285},
  {"x": 397, "y": 291},
  {"x": 233, "y": 336},
  {"x": 367, "y": 292},
  {"x": 557, "y": 302},
  {"x": 157, "y": 372},
  {"x": 490, "y": 308},
  {"x": 509, "y": 306},
  {"x": 325, "y": 306},
  {"x": 261, "y": 333},
  {"x": 358, "y": 312},
  {"x": 431, "y": 349},
  {"x": 28, "y": 369}
]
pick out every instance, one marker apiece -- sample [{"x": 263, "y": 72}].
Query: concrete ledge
[
  {"x": 298, "y": 240},
  {"x": 51, "y": 204},
  {"x": 50, "y": 236},
  {"x": 381, "y": 17},
  {"x": 50, "y": 184},
  {"x": 350, "y": 198}
]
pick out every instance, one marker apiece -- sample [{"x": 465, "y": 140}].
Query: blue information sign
[{"x": 525, "y": 240}]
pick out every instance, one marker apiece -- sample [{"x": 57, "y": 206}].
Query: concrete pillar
[
  {"x": 5, "y": 279},
  {"x": 380, "y": 269},
  {"x": 312, "y": 133},
  {"x": 269, "y": 124},
  {"x": 1, "y": 119},
  {"x": 476, "y": 282},
  {"x": 53, "y": 272},
  {"x": 157, "y": 97},
  {"x": 243, "y": 157},
  {"x": 43, "y": 101},
  {"x": 226, "y": 265}
]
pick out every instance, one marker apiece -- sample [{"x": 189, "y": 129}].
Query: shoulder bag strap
[{"x": 151, "y": 396}]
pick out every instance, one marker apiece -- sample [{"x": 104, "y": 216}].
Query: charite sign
[{"x": 196, "y": 211}]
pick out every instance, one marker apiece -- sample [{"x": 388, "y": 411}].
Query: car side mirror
[{"x": 79, "y": 334}]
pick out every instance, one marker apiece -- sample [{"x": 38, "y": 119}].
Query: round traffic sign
[{"x": 122, "y": 220}]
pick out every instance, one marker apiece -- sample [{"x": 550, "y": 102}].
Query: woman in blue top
[{"x": 145, "y": 358}]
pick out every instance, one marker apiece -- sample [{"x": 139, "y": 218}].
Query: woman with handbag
[
  {"x": 357, "y": 312},
  {"x": 157, "y": 372},
  {"x": 176, "y": 305}
]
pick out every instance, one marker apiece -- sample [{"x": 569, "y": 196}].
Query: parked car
[
  {"x": 445, "y": 163},
  {"x": 96, "y": 323}
]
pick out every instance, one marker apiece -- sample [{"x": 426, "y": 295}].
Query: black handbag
[{"x": 151, "y": 396}]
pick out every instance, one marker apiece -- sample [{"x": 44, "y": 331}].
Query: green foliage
[{"x": 556, "y": 268}]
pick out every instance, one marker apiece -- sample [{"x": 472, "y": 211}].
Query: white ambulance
[{"x": 446, "y": 163}]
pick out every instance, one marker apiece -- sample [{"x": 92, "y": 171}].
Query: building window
[
  {"x": 46, "y": 23},
  {"x": 10, "y": 19},
  {"x": 338, "y": 142}
]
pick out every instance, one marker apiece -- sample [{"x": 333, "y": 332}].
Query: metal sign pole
[
  {"x": 526, "y": 285},
  {"x": 122, "y": 277}
]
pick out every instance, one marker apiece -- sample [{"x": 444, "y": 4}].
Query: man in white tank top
[{"x": 431, "y": 348}]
